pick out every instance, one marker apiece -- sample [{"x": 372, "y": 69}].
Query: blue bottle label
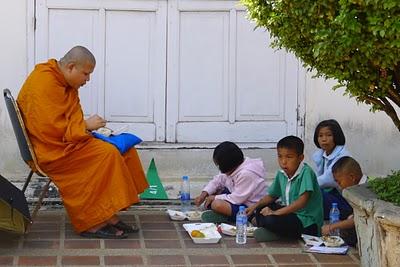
[{"x": 185, "y": 196}]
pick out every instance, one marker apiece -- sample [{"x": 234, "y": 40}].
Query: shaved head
[
  {"x": 78, "y": 55},
  {"x": 76, "y": 66}
]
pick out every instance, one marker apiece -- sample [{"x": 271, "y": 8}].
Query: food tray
[
  {"x": 228, "y": 229},
  {"x": 311, "y": 240},
  {"x": 332, "y": 241},
  {"x": 176, "y": 215},
  {"x": 208, "y": 229}
]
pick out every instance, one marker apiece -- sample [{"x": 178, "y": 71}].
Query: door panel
[
  {"x": 260, "y": 74},
  {"x": 203, "y": 83},
  {"x": 230, "y": 85},
  {"x": 128, "y": 40},
  {"x": 128, "y": 90}
]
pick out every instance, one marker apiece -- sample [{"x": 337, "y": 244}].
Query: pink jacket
[{"x": 246, "y": 184}]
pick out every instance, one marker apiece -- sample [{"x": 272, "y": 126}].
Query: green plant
[
  {"x": 388, "y": 188},
  {"x": 356, "y": 42}
]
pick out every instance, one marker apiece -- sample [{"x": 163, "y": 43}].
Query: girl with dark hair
[
  {"x": 241, "y": 182},
  {"x": 330, "y": 140}
]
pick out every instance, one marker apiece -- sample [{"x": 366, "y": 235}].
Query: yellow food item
[{"x": 197, "y": 234}]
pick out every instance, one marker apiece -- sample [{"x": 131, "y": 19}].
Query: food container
[
  {"x": 311, "y": 240},
  {"x": 228, "y": 229},
  {"x": 176, "y": 215},
  {"x": 332, "y": 241},
  {"x": 211, "y": 234}
]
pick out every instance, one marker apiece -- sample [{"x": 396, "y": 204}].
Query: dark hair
[
  {"x": 227, "y": 156},
  {"x": 292, "y": 142},
  {"x": 334, "y": 126},
  {"x": 347, "y": 164}
]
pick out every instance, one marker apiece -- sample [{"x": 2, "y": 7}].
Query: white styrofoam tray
[
  {"x": 176, "y": 215},
  {"x": 231, "y": 229},
  {"x": 208, "y": 229}
]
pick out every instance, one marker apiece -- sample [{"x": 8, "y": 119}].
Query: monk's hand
[{"x": 95, "y": 122}]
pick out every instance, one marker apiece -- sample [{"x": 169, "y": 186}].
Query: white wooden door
[
  {"x": 128, "y": 39},
  {"x": 224, "y": 82}
]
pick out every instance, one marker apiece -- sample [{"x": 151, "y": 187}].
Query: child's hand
[
  {"x": 326, "y": 229},
  {"x": 250, "y": 210},
  {"x": 266, "y": 211},
  {"x": 209, "y": 200},
  {"x": 200, "y": 199}
]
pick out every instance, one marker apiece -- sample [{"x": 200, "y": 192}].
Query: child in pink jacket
[{"x": 241, "y": 182}]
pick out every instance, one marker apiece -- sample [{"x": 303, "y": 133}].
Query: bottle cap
[
  {"x": 185, "y": 177},
  {"x": 242, "y": 208},
  {"x": 334, "y": 204}
]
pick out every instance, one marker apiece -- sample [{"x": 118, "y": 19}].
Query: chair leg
[
  {"x": 39, "y": 204},
  {"x": 28, "y": 179}
]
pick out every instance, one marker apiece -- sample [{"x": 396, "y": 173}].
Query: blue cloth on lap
[{"x": 123, "y": 142}]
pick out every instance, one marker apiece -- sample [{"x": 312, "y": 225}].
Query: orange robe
[{"x": 94, "y": 180}]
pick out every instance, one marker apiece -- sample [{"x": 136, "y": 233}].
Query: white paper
[
  {"x": 311, "y": 240},
  {"x": 328, "y": 250}
]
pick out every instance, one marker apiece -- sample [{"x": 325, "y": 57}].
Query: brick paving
[{"x": 160, "y": 242}]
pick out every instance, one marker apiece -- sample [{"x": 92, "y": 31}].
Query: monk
[{"x": 94, "y": 180}]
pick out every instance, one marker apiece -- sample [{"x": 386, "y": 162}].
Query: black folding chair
[{"x": 25, "y": 147}]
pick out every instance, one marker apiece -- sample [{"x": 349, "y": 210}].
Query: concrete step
[{"x": 172, "y": 164}]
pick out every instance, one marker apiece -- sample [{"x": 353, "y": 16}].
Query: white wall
[
  {"x": 372, "y": 138},
  {"x": 13, "y": 69}
]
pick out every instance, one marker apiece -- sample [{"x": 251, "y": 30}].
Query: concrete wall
[
  {"x": 372, "y": 138},
  {"x": 13, "y": 70}
]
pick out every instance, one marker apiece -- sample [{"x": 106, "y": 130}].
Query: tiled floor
[{"x": 160, "y": 242}]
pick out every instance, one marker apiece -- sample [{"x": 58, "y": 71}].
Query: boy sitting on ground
[
  {"x": 296, "y": 184},
  {"x": 346, "y": 172},
  {"x": 241, "y": 182}
]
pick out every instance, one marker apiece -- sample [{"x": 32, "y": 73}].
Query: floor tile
[
  {"x": 80, "y": 260},
  {"x": 251, "y": 243},
  {"x": 322, "y": 258},
  {"x": 53, "y": 244},
  {"x": 154, "y": 218},
  {"x": 8, "y": 244},
  {"x": 157, "y": 226},
  {"x": 6, "y": 260},
  {"x": 208, "y": 259},
  {"x": 190, "y": 244},
  {"x": 162, "y": 244},
  {"x": 123, "y": 243},
  {"x": 123, "y": 260},
  {"x": 81, "y": 244},
  {"x": 37, "y": 260},
  {"x": 45, "y": 226},
  {"x": 283, "y": 244},
  {"x": 292, "y": 258},
  {"x": 43, "y": 235},
  {"x": 160, "y": 234},
  {"x": 250, "y": 259},
  {"x": 166, "y": 260}
]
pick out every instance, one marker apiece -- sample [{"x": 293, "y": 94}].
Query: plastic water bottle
[
  {"x": 334, "y": 216},
  {"x": 185, "y": 194},
  {"x": 241, "y": 226}
]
